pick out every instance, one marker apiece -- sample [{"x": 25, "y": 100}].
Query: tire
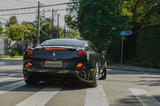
[
  {"x": 96, "y": 77},
  {"x": 104, "y": 75},
  {"x": 94, "y": 83},
  {"x": 31, "y": 82}
]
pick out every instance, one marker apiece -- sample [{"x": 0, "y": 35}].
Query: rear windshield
[{"x": 64, "y": 42}]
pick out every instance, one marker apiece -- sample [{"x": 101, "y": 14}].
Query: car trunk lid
[{"x": 55, "y": 53}]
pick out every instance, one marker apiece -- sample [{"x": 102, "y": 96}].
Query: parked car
[{"x": 64, "y": 59}]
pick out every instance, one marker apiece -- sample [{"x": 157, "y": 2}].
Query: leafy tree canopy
[
  {"x": 21, "y": 32},
  {"x": 12, "y": 21},
  {"x": 1, "y": 27}
]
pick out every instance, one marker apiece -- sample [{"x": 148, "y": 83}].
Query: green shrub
[
  {"x": 145, "y": 51},
  {"x": 14, "y": 53}
]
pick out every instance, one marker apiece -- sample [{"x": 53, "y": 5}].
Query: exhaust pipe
[{"x": 83, "y": 75}]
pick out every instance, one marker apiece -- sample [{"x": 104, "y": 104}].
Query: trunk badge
[{"x": 54, "y": 54}]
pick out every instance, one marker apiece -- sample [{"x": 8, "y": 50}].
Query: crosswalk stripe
[
  {"x": 3, "y": 74},
  {"x": 40, "y": 98},
  {"x": 9, "y": 79},
  {"x": 145, "y": 98},
  {"x": 9, "y": 75},
  {"x": 9, "y": 87},
  {"x": 96, "y": 97},
  {"x": 12, "y": 75},
  {"x": 15, "y": 67}
]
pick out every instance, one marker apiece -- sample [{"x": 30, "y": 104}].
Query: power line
[
  {"x": 13, "y": 2},
  {"x": 17, "y": 2},
  {"x": 22, "y": 1},
  {"x": 27, "y": 13},
  {"x": 33, "y": 7}
]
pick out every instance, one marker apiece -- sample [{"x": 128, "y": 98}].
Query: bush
[
  {"x": 145, "y": 51},
  {"x": 14, "y": 53}
]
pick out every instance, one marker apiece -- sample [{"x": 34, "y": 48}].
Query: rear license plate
[{"x": 53, "y": 64}]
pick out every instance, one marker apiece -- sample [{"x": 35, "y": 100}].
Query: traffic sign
[{"x": 126, "y": 32}]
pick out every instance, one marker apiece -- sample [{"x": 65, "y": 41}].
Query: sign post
[{"x": 123, "y": 34}]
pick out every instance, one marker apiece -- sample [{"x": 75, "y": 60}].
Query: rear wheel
[{"x": 103, "y": 74}]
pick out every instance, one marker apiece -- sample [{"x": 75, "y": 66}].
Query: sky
[{"x": 9, "y": 4}]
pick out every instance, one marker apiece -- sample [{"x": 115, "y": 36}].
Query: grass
[{"x": 8, "y": 56}]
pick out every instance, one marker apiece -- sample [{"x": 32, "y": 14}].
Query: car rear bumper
[{"x": 51, "y": 74}]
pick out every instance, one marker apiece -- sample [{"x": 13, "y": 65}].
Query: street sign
[{"x": 126, "y": 32}]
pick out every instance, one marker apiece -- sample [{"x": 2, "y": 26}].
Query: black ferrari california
[{"x": 64, "y": 59}]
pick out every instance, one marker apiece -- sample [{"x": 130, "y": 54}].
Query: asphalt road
[{"x": 121, "y": 88}]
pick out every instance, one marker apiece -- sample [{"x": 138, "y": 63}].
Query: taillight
[
  {"x": 29, "y": 52},
  {"x": 79, "y": 65},
  {"x": 80, "y": 52},
  {"x": 28, "y": 64},
  {"x": 91, "y": 69}
]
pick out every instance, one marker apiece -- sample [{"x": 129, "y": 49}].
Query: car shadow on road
[
  {"x": 126, "y": 72},
  {"x": 4, "y": 83},
  {"x": 129, "y": 101},
  {"x": 42, "y": 85},
  {"x": 133, "y": 101},
  {"x": 149, "y": 82}
]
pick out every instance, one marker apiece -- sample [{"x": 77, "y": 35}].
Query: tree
[
  {"x": 72, "y": 24},
  {"x": 102, "y": 20},
  {"x": 152, "y": 16},
  {"x": 137, "y": 11},
  {"x": 141, "y": 13},
  {"x": 21, "y": 33},
  {"x": 1, "y": 28},
  {"x": 99, "y": 22},
  {"x": 12, "y": 21}
]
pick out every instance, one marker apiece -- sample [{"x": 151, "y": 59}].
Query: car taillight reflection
[
  {"x": 80, "y": 52},
  {"x": 29, "y": 52}
]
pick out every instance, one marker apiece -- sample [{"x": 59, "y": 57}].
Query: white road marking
[
  {"x": 9, "y": 87},
  {"x": 1, "y": 63},
  {"x": 96, "y": 97},
  {"x": 145, "y": 98},
  {"x": 40, "y": 98},
  {"x": 109, "y": 69},
  {"x": 12, "y": 75},
  {"x": 9, "y": 75},
  {"x": 14, "y": 67},
  {"x": 9, "y": 79},
  {"x": 3, "y": 74},
  {"x": 11, "y": 58}
]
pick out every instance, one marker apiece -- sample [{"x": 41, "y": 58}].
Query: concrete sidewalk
[{"x": 132, "y": 68}]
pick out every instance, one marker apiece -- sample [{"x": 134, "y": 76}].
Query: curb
[
  {"x": 10, "y": 58},
  {"x": 137, "y": 69}
]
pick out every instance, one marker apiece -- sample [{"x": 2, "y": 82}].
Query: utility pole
[
  {"x": 122, "y": 46},
  {"x": 38, "y": 25},
  {"x": 52, "y": 24},
  {"x": 58, "y": 26}
]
